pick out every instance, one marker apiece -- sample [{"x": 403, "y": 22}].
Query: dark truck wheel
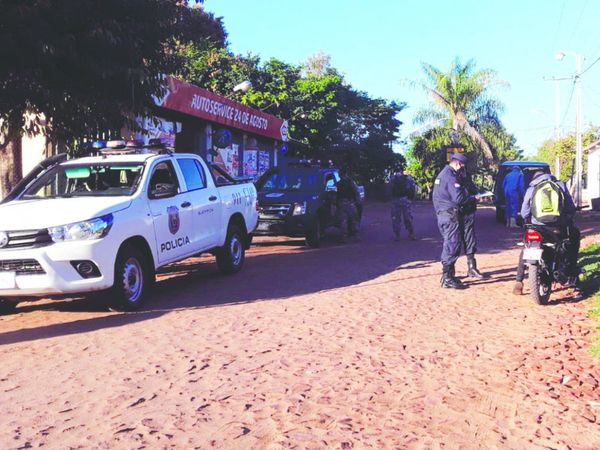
[
  {"x": 230, "y": 257},
  {"x": 133, "y": 278},
  {"x": 500, "y": 215},
  {"x": 7, "y": 306},
  {"x": 313, "y": 238}
]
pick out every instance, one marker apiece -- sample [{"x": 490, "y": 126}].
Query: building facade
[{"x": 242, "y": 140}]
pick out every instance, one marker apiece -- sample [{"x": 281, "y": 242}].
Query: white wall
[
  {"x": 33, "y": 152},
  {"x": 593, "y": 187}
]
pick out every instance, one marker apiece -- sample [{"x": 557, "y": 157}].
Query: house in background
[{"x": 593, "y": 174}]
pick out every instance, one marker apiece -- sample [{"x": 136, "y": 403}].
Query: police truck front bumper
[{"x": 56, "y": 269}]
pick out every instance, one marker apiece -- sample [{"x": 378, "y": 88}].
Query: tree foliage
[
  {"x": 461, "y": 99},
  {"x": 327, "y": 118},
  {"x": 427, "y": 153},
  {"x": 565, "y": 149},
  {"x": 82, "y": 63},
  {"x": 73, "y": 68}
]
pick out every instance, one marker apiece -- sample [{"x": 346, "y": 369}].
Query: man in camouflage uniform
[
  {"x": 403, "y": 192},
  {"x": 347, "y": 200}
]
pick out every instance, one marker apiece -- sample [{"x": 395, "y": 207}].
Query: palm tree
[{"x": 460, "y": 97}]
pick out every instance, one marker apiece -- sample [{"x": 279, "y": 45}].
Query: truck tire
[
  {"x": 230, "y": 257},
  {"x": 313, "y": 238},
  {"x": 133, "y": 278},
  {"x": 7, "y": 306},
  {"x": 500, "y": 215}
]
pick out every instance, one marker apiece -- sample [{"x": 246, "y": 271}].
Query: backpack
[
  {"x": 401, "y": 187},
  {"x": 547, "y": 202}
]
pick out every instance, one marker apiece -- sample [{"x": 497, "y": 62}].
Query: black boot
[
  {"x": 449, "y": 281},
  {"x": 473, "y": 272}
]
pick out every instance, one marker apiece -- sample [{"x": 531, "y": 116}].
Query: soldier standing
[
  {"x": 403, "y": 192},
  {"x": 347, "y": 200},
  {"x": 468, "y": 224},
  {"x": 449, "y": 195}
]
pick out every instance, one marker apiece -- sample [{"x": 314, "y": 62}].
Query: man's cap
[{"x": 459, "y": 157}]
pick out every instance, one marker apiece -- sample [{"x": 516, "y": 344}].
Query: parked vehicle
[
  {"x": 545, "y": 254},
  {"x": 299, "y": 200},
  {"x": 108, "y": 222},
  {"x": 527, "y": 167}
]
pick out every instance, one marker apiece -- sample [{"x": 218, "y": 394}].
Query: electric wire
[
  {"x": 590, "y": 66},
  {"x": 568, "y": 105},
  {"x": 578, "y": 21}
]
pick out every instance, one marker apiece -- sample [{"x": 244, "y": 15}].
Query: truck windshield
[
  {"x": 302, "y": 182},
  {"x": 89, "y": 180}
]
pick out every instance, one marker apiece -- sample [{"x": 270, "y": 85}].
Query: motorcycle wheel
[{"x": 540, "y": 285}]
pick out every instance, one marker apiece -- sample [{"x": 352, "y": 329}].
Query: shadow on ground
[{"x": 283, "y": 268}]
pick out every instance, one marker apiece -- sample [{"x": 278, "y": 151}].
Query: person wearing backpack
[
  {"x": 548, "y": 203},
  {"x": 403, "y": 191}
]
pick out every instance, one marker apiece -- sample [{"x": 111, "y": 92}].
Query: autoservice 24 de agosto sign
[{"x": 189, "y": 99}]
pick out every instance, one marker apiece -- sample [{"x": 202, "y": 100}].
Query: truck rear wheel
[
  {"x": 7, "y": 306},
  {"x": 230, "y": 257},
  {"x": 132, "y": 280}
]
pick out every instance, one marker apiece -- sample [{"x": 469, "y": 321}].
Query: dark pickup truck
[
  {"x": 298, "y": 200},
  {"x": 527, "y": 167}
]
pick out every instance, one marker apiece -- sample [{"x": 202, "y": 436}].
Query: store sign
[{"x": 189, "y": 99}]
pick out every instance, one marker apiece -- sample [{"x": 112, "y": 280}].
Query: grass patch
[{"x": 589, "y": 259}]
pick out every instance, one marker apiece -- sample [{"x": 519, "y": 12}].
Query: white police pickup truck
[{"x": 108, "y": 222}]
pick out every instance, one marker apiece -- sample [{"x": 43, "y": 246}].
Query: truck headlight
[
  {"x": 299, "y": 209},
  {"x": 80, "y": 231}
]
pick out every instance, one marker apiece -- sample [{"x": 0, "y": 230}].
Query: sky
[{"x": 380, "y": 44}]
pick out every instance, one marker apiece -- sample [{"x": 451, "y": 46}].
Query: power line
[
  {"x": 568, "y": 105},
  {"x": 578, "y": 21},
  {"x": 590, "y": 66}
]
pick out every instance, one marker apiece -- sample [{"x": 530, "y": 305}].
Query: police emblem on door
[{"x": 173, "y": 219}]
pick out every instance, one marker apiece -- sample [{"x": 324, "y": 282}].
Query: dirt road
[{"x": 347, "y": 346}]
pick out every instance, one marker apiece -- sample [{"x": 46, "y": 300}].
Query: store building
[{"x": 244, "y": 141}]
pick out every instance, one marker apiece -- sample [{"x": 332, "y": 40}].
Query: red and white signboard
[{"x": 189, "y": 99}]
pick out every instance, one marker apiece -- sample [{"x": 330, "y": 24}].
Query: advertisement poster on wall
[
  {"x": 263, "y": 162},
  {"x": 158, "y": 128},
  {"x": 250, "y": 163},
  {"x": 227, "y": 158}
]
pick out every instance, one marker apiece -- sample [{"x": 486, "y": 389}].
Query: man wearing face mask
[
  {"x": 469, "y": 239},
  {"x": 449, "y": 195}
]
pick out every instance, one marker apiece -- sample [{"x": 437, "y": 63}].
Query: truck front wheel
[
  {"x": 7, "y": 306},
  {"x": 230, "y": 257},
  {"x": 313, "y": 237},
  {"x": 132, "y": 280}
]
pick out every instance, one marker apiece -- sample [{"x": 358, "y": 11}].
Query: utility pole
[
  {"x": 557, "y": 130},
  {"x": 578, "y": 138},
  {"x": 557, "y": 124}
]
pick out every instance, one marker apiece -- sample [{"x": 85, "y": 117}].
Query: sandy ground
[{"x": 344, "y": 347}]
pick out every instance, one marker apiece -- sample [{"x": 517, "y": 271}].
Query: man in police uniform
[
  {"x": 468, "y": 224},
  {"x": 347, "y": 201},
  {"x": 449, "y": 196}
]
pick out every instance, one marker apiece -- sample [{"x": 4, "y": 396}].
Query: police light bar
[{"x": 99, "y": 144}]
